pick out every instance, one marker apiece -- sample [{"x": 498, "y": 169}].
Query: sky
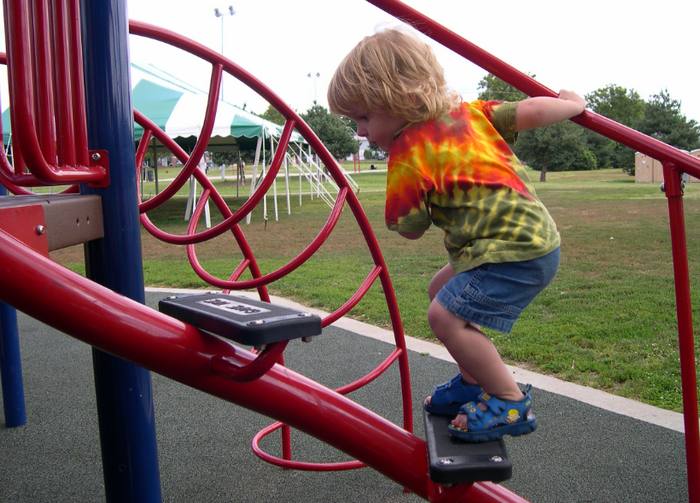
[
  {"x": 642, "y": 45},
  {"x": 574, "y": 45}
]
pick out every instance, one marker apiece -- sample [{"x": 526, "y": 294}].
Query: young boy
[{"x": 449, "y": 165}]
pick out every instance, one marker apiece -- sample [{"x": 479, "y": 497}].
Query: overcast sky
[
  {"x": 643, "y": 45},
  {"x": 576, "y": 45}
]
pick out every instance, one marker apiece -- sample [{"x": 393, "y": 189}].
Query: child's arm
[{"x": 542, "y": 110}]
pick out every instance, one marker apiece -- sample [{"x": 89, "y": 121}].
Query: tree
[
  {"x": 273, "y": 115},
  {"x": 560, "y": 147},
  {"x": 334, "y": 131},
  {"x": 664, "y": 121},
  {"x": 557, "y": 147},
  {"x": 493, "y": 88},
  {"x": 621, "y": 105}
]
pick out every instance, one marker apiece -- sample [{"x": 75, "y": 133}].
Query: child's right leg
[
  {"x": 502, "y": 409},
  {"x": 436, "y": 283},
  {"x": 462, "y": 388},
  {"x": 474, "y": 352}
]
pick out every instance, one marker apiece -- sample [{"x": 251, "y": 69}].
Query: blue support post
[
  {"x": 124, "y": 392},
  {"x": 11, "y": 364},
  {"x": 11, "y": 368}
]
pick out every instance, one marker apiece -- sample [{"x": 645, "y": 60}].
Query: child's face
[{"x": 378, "y": 127}]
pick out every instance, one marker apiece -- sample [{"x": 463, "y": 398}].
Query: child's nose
[{"x": 361, "y": 131}]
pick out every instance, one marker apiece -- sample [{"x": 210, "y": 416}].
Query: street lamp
[
  {"x": 218, "y": 13},
  {"x": 315, "y": 77}
]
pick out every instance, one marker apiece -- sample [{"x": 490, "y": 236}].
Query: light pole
[
  {"x": 315, "y": 77},
  {"x": 218, "y": 13}
]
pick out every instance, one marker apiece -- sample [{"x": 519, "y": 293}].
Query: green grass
[
  {"x": 607, "y": 321},
  {"x": 230, "y": 187}
]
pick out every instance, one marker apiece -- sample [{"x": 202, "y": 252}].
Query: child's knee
[
  {"x": 433, "y": 289},
  {"x": 441, "y": 321},
  {"x": 438, "y": 280}
]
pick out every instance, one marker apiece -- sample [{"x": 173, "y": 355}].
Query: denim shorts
[{"x": 494, "y": 295}]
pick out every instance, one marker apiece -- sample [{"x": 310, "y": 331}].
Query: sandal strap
[
  {"x": 495, "y": 405},
  {"x": 456, "y": 380},
  {"x": 488, "y": 409}
]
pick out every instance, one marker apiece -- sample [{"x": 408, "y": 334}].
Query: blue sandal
[
  {"x": 491, "y": 418},
  {"x": 450, "y": 396}
]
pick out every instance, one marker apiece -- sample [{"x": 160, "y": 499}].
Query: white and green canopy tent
[{"x": 178, "y": 109}]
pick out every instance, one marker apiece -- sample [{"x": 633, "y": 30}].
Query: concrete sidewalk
[{"x": 580, "y": 453}]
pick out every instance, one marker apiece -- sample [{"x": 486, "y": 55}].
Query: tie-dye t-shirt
[{"x": 459, "y": 173}]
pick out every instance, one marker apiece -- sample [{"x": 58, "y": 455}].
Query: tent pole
[
  {"x": 264, "y": 172},
  {"x": 154, "y": 148},
  {"x": 255, "y": 173},
  {"x": 286, "y": 184},
  {"x": 274, "y": 184}
]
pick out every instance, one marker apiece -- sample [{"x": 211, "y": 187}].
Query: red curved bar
[
  {"x": 263, "y": 362},
  {"x": 293, "y": 264},
  {"x": 292, "y": 464},
  {"x": 355, "y": 298},
  {"x": 371, "y": 376},
  {"x": 231, "y": 220},
  {"x": 292, "y": 120},
  {"x": 202, "y": 141}
]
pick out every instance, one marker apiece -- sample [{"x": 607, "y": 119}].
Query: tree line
[{"x": 561, "y": 147}]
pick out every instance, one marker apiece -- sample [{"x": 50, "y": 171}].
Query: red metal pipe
[
  {"x": 28, "y": 150},
  {"x": 674, "y": 194},
  {"x": 62, "y": 80},
  {"x": 77, "y": 86},
  {"x": 355, "y": 298},
  {"x": 42, "y": 92},
  {"x": 130, "y": 330}
]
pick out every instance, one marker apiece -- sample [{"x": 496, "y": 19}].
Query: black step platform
[
  {"x": 455, "y": 462},
  {"x": 246, "y": 321}
]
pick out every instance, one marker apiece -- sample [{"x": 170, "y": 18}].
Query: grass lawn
[{"x": 607, "y": 321}]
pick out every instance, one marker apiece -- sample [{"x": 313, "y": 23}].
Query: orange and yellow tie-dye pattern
[{"x": 459, "y": 173}]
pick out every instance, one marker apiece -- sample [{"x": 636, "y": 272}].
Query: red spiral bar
[
  {"x": 293, "y": 264},
  {"x": 345, "y": 196}
]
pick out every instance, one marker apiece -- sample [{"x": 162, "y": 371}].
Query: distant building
[{"x": 649, "y": 170}]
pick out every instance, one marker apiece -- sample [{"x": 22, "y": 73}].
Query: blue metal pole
[
  {"x": 124, "y": 392},
  {"x": 11, "y": 364},
  {"x": 11, "y": 368}
]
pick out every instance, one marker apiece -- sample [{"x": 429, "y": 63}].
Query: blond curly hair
[{"x": 395, "y": 72}]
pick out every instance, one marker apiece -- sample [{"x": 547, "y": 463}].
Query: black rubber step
[
  {"x": 453, "y": 462},
  {"x": 246, "y": 321}
]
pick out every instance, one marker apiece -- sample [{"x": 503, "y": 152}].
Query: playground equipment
[{"x": 111, "y": 316}]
